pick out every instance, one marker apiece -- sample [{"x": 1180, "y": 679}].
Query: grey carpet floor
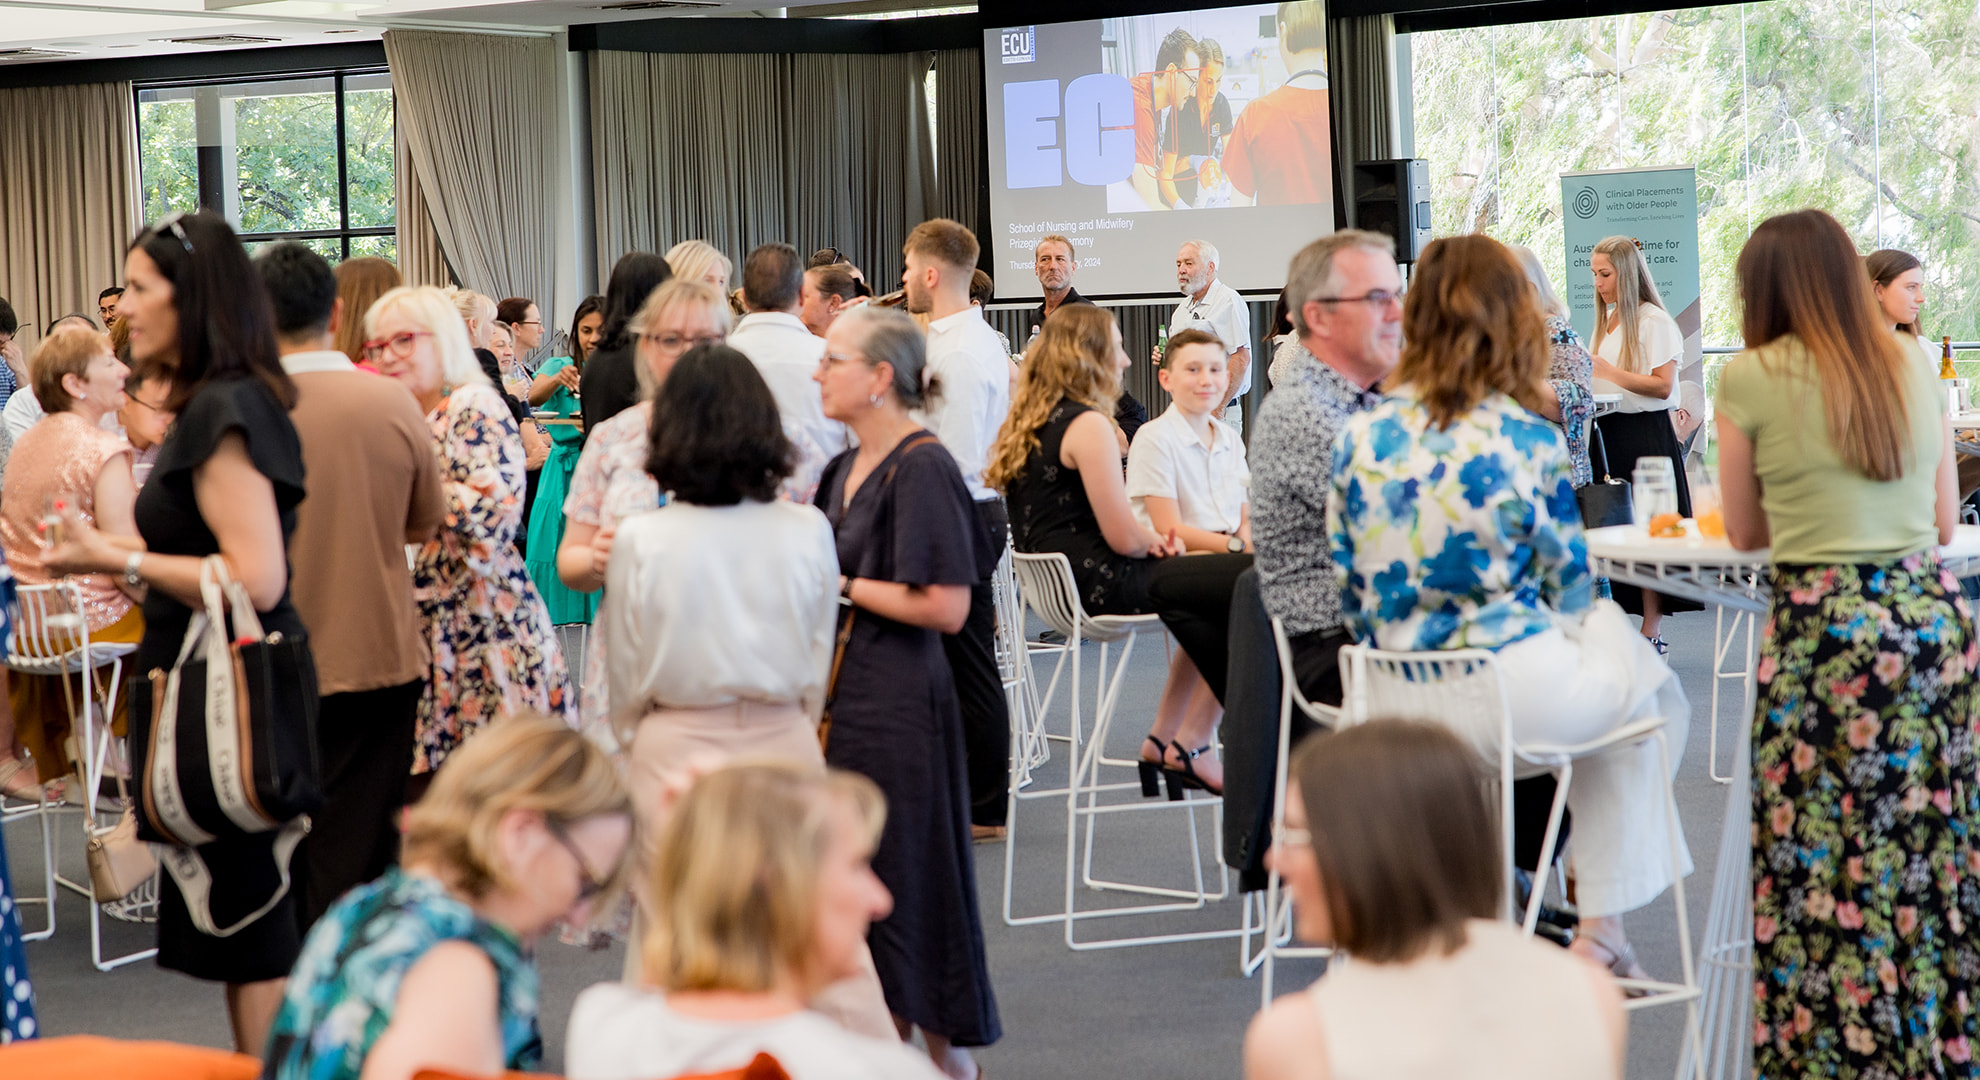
[{"x": 1148, "y": 1013}]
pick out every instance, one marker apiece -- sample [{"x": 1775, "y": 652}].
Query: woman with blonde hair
[
  {"x": 1638, "y": 353},
  {"x": 360, "y": 282},
  {"x": 699, "y": 260},
  {"x": 494, "y": 650},
  {"x": 1455, "y": 526},
  {"x": 765, "y": 896},
  {"x": 1058, "y": 463},
  {"x": 1834, "y": 451},
  {"x": 429, "y": 967},
  {"x": 67, "y": 461},
  {"x": 610, "y": 482}
]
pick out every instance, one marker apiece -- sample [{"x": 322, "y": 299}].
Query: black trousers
[
  {"x": 1192, "y": 593},
  {"x": 972, "y": 655},
  {"x": 365, "y": 747}
]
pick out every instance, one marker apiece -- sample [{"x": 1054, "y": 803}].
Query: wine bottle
[{"x": 1946, "y": 369}]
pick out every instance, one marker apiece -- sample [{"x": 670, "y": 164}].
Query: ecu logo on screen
[{"x": 1019, "y": 44}]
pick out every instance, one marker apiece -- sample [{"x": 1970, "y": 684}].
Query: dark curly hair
[{"x": 717, "y": 437}]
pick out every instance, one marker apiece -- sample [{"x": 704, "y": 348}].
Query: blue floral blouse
[
  {"x": 344, "y": 987},
  {"x": 1464, "y": 538}
]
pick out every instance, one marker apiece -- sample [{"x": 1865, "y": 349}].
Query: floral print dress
[
  {"x": 1570, "y": 371},
  {"x": 494, "y": 650},
  {"x": 340, "y": 997}
]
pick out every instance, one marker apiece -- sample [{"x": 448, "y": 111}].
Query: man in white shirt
[
  {"x": 1209, "y": 304},
  {"x": 23, "y": 409},
  {"x": 786, "y": 355},
  {"x": 974, "y": 372}
]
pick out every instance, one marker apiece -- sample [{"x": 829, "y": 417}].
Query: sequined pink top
[{"x": 61, "y": 457}]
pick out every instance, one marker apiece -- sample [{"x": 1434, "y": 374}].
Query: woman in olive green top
[{"x": 1834, "y": 450}]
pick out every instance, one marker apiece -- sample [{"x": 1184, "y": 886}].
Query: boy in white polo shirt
[
  {"x": 1186, "y": 477},
  {"x": 1186, "y": 468}
]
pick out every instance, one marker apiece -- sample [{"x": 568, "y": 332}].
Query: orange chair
[{"x": 92, "y": 1057}]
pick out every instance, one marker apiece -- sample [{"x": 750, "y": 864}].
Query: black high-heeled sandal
[
  {"x": 1151, "y": 771},
  {"x": 1186, "y": 776}
]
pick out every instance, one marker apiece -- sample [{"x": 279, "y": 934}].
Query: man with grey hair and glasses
[
  {"x": 1209, "y": 304},
  {"x": 1345, "y": 295}
]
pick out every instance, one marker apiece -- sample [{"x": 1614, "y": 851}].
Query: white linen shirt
[
  {"x": 1222, "y": 312},
  {"x": 1168, "y": 461},
  {"x": 786, "y": 355},
  {"x": 711, "y": 605},
  {"x": 975, "y": 372},
  {"x": 1661, "y": 342}
]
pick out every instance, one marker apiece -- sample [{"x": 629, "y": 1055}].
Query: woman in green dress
[{"x": 555, "y": 392}]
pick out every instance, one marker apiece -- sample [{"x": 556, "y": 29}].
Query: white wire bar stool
[
  {"x": 1450, "y": 687},
  {"x": 1046, "y": 584},
  {"x": 51, "y": 638}
]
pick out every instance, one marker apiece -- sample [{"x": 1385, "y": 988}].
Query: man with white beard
[{"x": 1209, "y": 304}]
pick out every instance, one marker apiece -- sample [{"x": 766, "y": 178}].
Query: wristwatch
[
  {"x": 1235, "y": 546},
  {"x": 131, "y": 564}
]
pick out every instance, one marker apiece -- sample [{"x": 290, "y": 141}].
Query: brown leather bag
[{"x": 118, "y": 861}]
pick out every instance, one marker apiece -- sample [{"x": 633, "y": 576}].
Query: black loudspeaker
[{"x": 1393, "y": 198}]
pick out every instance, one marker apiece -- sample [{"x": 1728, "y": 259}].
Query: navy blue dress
[{"x": 896, "y": 720}]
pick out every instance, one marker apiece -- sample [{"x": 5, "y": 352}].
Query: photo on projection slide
[{"x": 1131, "y": 135}]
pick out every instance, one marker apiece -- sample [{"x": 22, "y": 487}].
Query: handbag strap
[
  {"x": 846, "y": 628},
  {"x": 1598, "y": 452},
  {"x": 188, "y": 869}
]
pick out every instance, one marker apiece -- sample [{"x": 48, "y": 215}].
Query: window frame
[{"x": 338, "y": 76}]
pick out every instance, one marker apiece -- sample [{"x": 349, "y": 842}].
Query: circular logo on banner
[{"x": 1586, "y": 204}]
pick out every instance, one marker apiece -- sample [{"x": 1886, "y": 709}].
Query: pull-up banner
[{"x": 1658, "y": 208}]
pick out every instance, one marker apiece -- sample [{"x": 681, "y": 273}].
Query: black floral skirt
[{"x": 1866, "y": 873}]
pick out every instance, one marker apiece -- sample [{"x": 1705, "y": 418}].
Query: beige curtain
[
  {"x": 478, "y": 113},
  {"x": 813, "y": 150},
  {"x": 69, "y": 202},
  {"x": 421, "y": 259},
  {"x": 959, "y": 136},
  {"x": 1361, "y": 61}
]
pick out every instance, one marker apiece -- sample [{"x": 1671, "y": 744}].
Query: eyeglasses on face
[
  {"x": 588, "y": 885},
  {"x": 1378, "y": 298},
  {"x": 674, "y": 343},
  {"x": 399, "y": 345}
]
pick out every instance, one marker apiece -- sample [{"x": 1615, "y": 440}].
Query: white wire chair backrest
[
  {"x": 1009, "y": 606},
  {"x": 1325, "y": 715},
  {"x": 1045, "y": 579},
  {"x": 1460, "y": 689},
  {"x": 48, "y": 623}
]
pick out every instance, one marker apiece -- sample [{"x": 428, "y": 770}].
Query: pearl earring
[{"x": 873, "y": 400}]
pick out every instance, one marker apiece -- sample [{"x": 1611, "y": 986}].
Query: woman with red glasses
[{"x": 494, "y": 650}]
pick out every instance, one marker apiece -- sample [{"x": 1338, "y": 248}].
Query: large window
[
  {"x": 1863, "y": 108},
  {"x": 309, "y": 159}
]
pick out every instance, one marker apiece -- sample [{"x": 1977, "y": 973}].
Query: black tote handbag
[
  {"x": 226, "y": 742},
  {"x": 1605, "y": 501}
]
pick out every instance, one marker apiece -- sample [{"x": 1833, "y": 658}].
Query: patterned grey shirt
[{"x": 1292, "y": 470}]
